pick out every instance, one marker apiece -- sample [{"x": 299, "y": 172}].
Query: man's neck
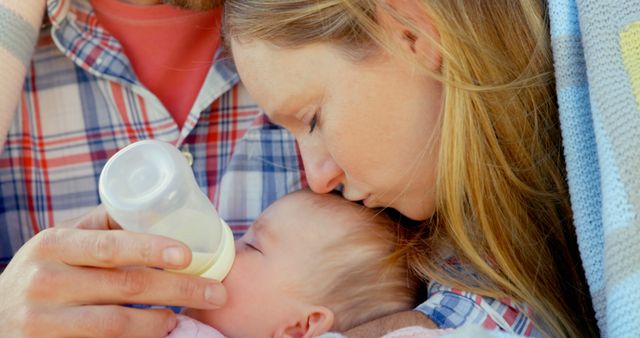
[{"x": 170, "y": 49}]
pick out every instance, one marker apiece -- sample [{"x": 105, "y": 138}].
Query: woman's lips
[{"x": 367, "y": 200}]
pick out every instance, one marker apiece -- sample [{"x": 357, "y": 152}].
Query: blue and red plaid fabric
[
  {"x": 82, "y": 102},
  {"x": 451, "y": 308}
]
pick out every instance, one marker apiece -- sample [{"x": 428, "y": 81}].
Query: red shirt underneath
[{"x": 171, "y": 49}]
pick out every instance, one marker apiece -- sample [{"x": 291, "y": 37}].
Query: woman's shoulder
[{"x": 450, "y": 307}]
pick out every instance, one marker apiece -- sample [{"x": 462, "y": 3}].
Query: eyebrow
[
  {"x": 281, "y": 115},
  {"x": 283, "y": 111},
  {"x": 260, "y": 228}
]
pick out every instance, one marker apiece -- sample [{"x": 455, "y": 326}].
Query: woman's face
[{"x": 370, "y": 126}]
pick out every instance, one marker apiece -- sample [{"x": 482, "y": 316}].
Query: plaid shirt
[
  {"x": 82, "y": 102},
  {"x": 451, "y": 308}
]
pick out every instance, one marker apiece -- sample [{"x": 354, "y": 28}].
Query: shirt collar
[
  {"x": 57, "y": 10},
  {"x": 78, "y": 35}
]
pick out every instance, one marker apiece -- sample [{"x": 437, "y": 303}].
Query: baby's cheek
[
  {"x": 217, "y": 317},
  {"x": 221, "y": 319}
]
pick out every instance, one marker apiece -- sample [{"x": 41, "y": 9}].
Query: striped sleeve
[
  {"x": 19, "y": 25},
  {"x": 452, "y": 308}
]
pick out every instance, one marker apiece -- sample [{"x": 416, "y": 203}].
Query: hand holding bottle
[{"x": 67, "y": 281}]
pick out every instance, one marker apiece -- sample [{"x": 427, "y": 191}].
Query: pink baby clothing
[{"x": 190, "y": 328}]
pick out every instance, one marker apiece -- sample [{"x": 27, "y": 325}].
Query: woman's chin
[{"x": 415, "y": 212}]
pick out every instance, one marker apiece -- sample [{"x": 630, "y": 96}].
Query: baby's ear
[{"x": 315, "y": 321}]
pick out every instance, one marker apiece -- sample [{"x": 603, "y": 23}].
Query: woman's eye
[{"x": 313, "y": 123}]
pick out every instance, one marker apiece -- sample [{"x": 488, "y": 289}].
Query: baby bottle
[{"x": 149, "y": 187}]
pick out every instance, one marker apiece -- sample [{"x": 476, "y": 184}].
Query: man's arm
[
  {"x": 20, "y": 22},
  {"x": 382, "y": 326}
]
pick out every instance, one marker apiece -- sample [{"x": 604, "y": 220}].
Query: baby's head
[{"x": 313, "y": 263}]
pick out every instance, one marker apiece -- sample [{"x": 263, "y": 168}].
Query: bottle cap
[
  {"x": 215, "y": 266},
  {"x": 221, "y": 267}
]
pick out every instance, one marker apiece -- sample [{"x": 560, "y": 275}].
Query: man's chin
[{"x": 196, "y": 5}]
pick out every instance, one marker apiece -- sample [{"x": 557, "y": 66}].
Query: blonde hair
[
  {"x": 365, "y": 275},
  {"x": 502, "y": 201}
]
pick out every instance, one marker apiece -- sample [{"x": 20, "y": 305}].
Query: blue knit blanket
[{"x": 596, "y": 45}]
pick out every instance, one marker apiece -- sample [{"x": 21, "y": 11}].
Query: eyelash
[
  {"x": 252, "y": 247},
  {"x": 313, "y": 123}
]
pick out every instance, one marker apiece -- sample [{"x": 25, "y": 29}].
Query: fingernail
[
  {"x": 173, "y": 322},
  {"x": 215, "y": 294},
  {"x": 173, "y": 255}
]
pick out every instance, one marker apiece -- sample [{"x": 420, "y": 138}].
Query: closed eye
[
  {"x": 252, "y": 247},
  {"x": 313, "y": 123}
]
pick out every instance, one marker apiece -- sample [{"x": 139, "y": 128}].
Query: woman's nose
[{"x": 322, "y": 171}]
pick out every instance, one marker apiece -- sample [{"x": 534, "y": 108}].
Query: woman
[{"x": 443, "y": 110}]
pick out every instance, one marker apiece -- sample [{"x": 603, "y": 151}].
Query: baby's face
[{"x": 272, "y": 263}]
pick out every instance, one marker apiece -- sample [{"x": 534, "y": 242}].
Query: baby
[{"x": 310, "y": 264}]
